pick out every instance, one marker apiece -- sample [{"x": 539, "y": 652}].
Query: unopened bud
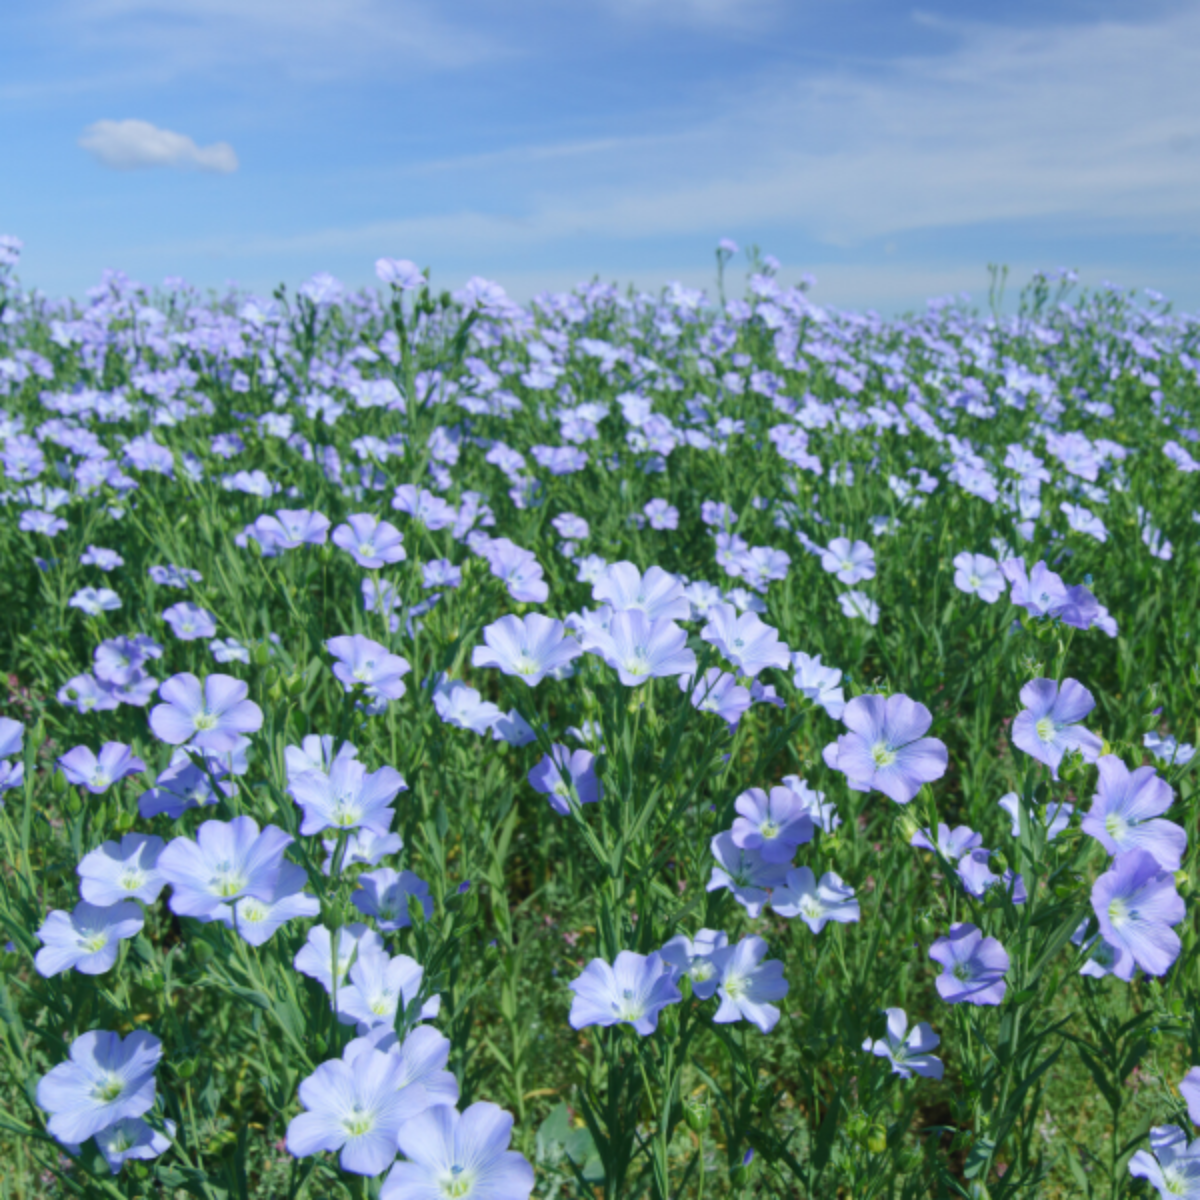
[{"x": 696, "y": 1113}]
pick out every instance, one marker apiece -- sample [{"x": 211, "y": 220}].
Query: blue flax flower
[
  {"x": 127, "y": 870},
  {"x": 349, "y": 797},
  {"x": 1136, "y": 904},
  {"x": 227, "y": 860},
  {"x": 885, "y": 748},
  {"x": 744, "y": 640},
  {"x": 529, "y": 648},
  {"x": 908, "y": 1050},
  {"x": 315, "y": 957},
  {"x": 974, "y": 966},
  {"x": 632, "y": 991},
  {"x": 773, "y": 824},
  {"x": 131, "y": 1137},
  {"x": 1048, "y": 727},
  {"x": 384, "y": 894},
  {"x": 564, "y": 772},
  {"x": 104, "y": 1081},
  {"x": 639, "y": 649},
  {"x": 1172, "y": 1166},
  {"x": 815, "y": 903},
  {"x": 694, "y": 957},
  {"x": 1126, "y": 813},
  {"x": 99, "y": 772},
  {"x": 458, "y": 1156},
  {"x": 744, "y": 872},
  {"x": 87, "y": 938},
  {"x": 357, "y": 1108},
  {"x": 258, "y": 919},
  {"x": 747, "y": 985}
]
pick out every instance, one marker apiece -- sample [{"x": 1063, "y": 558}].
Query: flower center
[
  {"x": 109, "y": 1088},
  {"x": 962, "y": 972},
  {"x": 883, "y": 755},
  {"x": 131, "y": 879},
  {"x": 456, "y": 1184},
  {"x": 810, "y": 906},
  {"x": 629, "y": 1007},
  {"x": 252, "y": 911},
  {"x": 768, "y": 829},
  {"x": 525, "y": 664},
  {"x": 100, "y": 779},
  {"x": 1118, "y": 913},
  {"x": 204, "y": 720},
  {"x": 94, "y": 943},
  {"x": 226, "y": 880},
  {"x": 359, "y": 1122},
  {"x": 1115, "y": 824},
  {"x": 1046, "y": 729},
  {"x": 734, "y": 986}
]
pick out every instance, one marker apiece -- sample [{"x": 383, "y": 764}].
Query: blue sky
[{"x": 891, "y": 151}]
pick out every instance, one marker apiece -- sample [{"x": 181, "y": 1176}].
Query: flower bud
[
  {"x": 877, "y": 1139},
  {"x": 696, "y": 1113}
]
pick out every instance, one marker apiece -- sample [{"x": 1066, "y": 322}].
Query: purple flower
[
  {"x": 119, "y": 660},
  {"x": 126, "y": 871},
  {"x": 98, "y": 774},
  {"x": 440, "y": 572},
  {"x": 815, "y": 903},
  {"x": 1041, "y": 593},
  {"x": 720, "y": 515},
  {"x": 181, "y": 786},
  {"x": 819, "y": 683},
  {"x": 633, "y": 991},
  {"x": 694, "y": 957},
  {"x": 851, "y": 563},
  {"x": 1136, "y": 904},
  {"x": 131, "y": 1137},
  {"x": 289, "y": 529},
  {"x": 744, "y": 640},
  {"x": 1048, "y": 727},
  {"x": 258, "y": 920},
  {"x": 227, "y": 860},
  {"x": 1126, "y": 810},
  {"x": 104, "y": 1081},
  {"x": 369, "y": 541},
  {"x": 661, "y": 515},
  {"x": 885, "y": 748},
  {"x": 465, "y": 1155},
  {"x": 432, "y": 511},
  {"x": 94, "y": 601},
  {"x": 213, "y": 718},
  {"x": 745, "y": 873},
  {"x": 228, "y": 650},
  {"x": 1166, "y": 748},
  {"x": 639, "y": 648},
  {"x": 377, "y": 986},
  {"x": 774, "y": 824},
  {"x": 347, "y": 798},
  {"x": 87, "y": 938},
  {"x": 907, "y": 1050},
  {"x": 1189, "y": 1089},
  {"x": 657, "y": 594},
  {"x": 973, "y": 966},
  {"x": 357, "y": 1108},
  {"x": 362, "y": 847},
  {"x": 529, "y": 648},
  {"x": 463, "y": 706},
  {"x": 718, "y": 692},
  {"x": 564, "y": 773},
  {"x": 978, "y": 575},
  {"x": 1173, "y": 1167},
  {"x": 747, "y": 985},
  {"x": 33, "y": 520},
  {"x": 1057, "y": 816},
  {"x": 856, "y": 604},
  {"x": 106, "y": 560},
  {"x": 362, "y": 662},
  {"x": 384, "y": 895},
  {"x": 519, "y": 569},
  {"x": 952, "y": 845},
  {"x": 85, "y": 694},
  {"x": 400, "y": 273},
  {"x": 568, "y": 525},
  {"x": 189, "y": 621},
  {"x": 315, "y": 957},
  {"x": 173, "y": 576}
]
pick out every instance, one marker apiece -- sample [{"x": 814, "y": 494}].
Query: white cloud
[{"x": 128, "y": 145}]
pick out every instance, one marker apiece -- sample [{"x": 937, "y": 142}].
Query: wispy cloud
[
  {"x": 304, "y": 38},
  {"x": 128, "y": 145}
]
